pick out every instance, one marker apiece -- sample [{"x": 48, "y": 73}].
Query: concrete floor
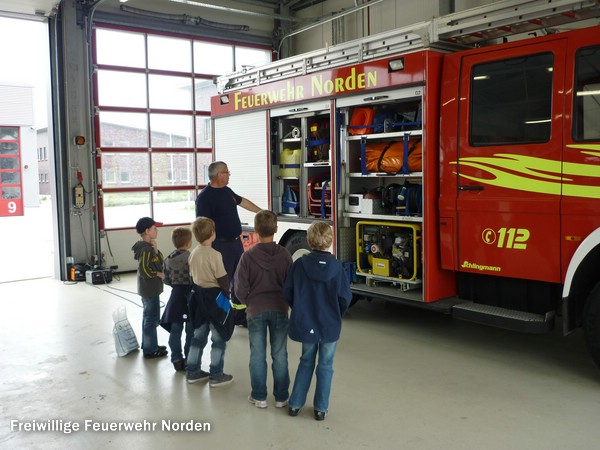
[
  {"x": 405, "y": 378},
  {"x": 19, "y": 235}
]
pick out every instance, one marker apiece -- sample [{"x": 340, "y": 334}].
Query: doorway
[{"x": 27, "y": 242}]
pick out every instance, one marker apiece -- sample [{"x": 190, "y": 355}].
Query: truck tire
[
  {"x": 297, "y": 245},
  {"x": 591, "y": 324}
]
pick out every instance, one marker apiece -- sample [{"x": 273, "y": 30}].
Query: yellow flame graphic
[{"x": 531, "y": 174}]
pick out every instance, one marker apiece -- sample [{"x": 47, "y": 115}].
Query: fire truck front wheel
[
  {"x": 297, "y": 245},
  {"x": 591, "y": 324}
]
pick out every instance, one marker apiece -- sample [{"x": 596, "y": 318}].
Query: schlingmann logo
[{"x": 468, "y": 265}]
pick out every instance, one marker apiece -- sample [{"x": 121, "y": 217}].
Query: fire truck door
[{"x": 510, "y": 161}]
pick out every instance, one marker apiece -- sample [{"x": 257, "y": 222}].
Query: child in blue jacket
[{"x": 318, "y": 292}]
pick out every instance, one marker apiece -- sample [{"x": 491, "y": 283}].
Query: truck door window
[
  {"x": 511, "y": 101},
  {"x": 586, "y": 125}
]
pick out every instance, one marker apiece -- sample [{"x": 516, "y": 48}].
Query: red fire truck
[{"x": 465, "y": 180}]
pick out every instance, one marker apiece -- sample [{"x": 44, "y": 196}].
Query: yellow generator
[{"x": 389, "y": 251}]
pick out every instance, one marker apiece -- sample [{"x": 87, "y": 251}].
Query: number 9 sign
[{"x": 12, "y": 207}]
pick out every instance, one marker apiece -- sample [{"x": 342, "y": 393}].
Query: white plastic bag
[{"x": 125, "y": 339}]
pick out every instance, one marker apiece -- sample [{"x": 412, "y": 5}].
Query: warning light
[{"x": 79, "y": 140}]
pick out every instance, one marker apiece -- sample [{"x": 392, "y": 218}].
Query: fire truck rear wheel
[
  {"x": 591, "y": 324},
  {"x": 297, "y": 245}
]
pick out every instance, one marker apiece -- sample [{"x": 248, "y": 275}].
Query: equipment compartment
[{"x": 389, "y": 251}]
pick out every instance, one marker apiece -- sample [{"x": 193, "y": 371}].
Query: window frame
[{"x": 200, "y": 136}]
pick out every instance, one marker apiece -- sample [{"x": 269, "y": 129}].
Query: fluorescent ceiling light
[
  {"x": 582, "y": 93},
  {"x": 529, "y": 122}
]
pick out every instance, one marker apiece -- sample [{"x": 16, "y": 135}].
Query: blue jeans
[
  {"x": 150, "y": 321},
  {"x": 217, "y": 350},
  {"x": 277, "y": 325},
  {"x": 305, "y": 371},
  {"x": 175, "y": 340}
]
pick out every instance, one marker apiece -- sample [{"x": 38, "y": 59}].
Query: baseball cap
[{"x": 146, "y": 222}]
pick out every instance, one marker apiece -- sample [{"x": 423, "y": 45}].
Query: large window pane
[
  {"x": 248, "y": 58},
  {"x": 587, "y": 95},
  {"x": 171, "y": 130},
  {"x": 125, "y": 89},
  {"x": 203, "y": 160},
  {"x": 172, "y": 169},
  {"x": 146, "y": 150},
  {"x": 120, "y": 48},
  {"x": 169, "y": 54},
  {"x": 205, "y": 89},
  {"x": 511, "y": 101},
  {"x": 203, "y": 132},
  {"x": 123, "y": 209},
  {"x": 168, "y": 92},
  {"x": 212, "y": 59},
  {"x": 119, "y": 129},
  {"x": 125, "y": 170},
  {"x": 174, "y": 206}
]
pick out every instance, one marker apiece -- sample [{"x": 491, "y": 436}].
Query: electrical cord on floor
[
  {"x": 118, "y": 295},
  {"x": 106, "y": 284},
  {"x": 162, "y": 305},
  {"x": 109, "y": 249}
]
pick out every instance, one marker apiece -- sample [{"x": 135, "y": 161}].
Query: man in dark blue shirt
[{"x": 219, "y": 203}]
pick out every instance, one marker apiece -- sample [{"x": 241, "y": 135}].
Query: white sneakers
[
  {"x": 263, "y": 403},
  {"x": 258, "y": 403}
]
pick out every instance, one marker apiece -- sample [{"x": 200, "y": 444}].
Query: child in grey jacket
[{"x": 175, "y": 316}]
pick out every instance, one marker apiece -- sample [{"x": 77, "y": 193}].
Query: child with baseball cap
[{"x": 149, "y": 284}]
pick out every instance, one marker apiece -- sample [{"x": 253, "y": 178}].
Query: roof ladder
[{"x": 452, "y": 31}]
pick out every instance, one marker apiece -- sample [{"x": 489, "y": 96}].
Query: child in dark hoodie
[
  {"x": 259, "y": 279},
  {"x": 149, "y": 284},
  {"x": 318, "y": 292},
  {"x": 175, "y": 316}
]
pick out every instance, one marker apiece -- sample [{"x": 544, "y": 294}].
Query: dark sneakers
[
  {"x": 320, "y": 415},
  {"x": 179, "y": 365},
  {"x": 220, "y": 380},
  {"x": 193, "y": 377},
  {"x": 159, "y": 353}
]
